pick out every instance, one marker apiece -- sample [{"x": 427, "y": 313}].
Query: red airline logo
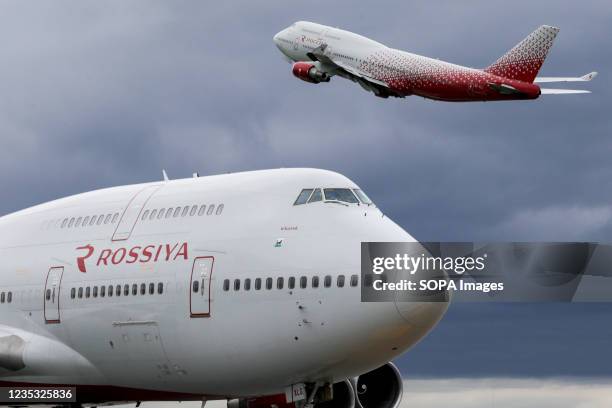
[{"x": 135, "y": 254}]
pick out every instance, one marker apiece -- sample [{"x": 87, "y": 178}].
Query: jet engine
[
  {"x": 308, "y": 72},
  {"x": 379, "y": 388}
]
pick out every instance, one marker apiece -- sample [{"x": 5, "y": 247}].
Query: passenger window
[
  {"x": 177, "y": 212},
  {"x": 268, "y": 283},
  {"x": 316, "y": 196},
  {"x": 78, "y": 222},
  {"x": 169, "y": 213},
  {"x": 153, "y": 214},
  {"x": 327, "y": 282},
  {"x": 93, "y": 221},
  {"x": 110, "y": 290},
  {"x": 185, "y": 211},
  {"x": 211, "y": 208},
  {"x": 340, "y": 281},
  {"x": 236, "y": 284},
  {"x": 193, "y": 210},
  {"x": 303, "y": 282},
  {"x": 145, "y": 215},
  {"x": 80, "y": 293},
  {"x": 161, "y": 213},
  {"x": 280, "y": 283},
  {"x": 2, "y": 297},
  {"x": 95, "y": 291},
  {"x": 86, "y": 221},
  {"x": 115, "y": 217},
  {"x": 151, "y": 288},
  {"x": 195, "y": 287},
  {"x": 72, "y": 293},
  {"x": 315, "y": 281},
  {"x": 247, "y": 284},
  {"x": 87, "y": 292},
  {"x": 107, "y": 219},
  {"x": 303, "y": 197},
  {"x": 48, "y": 294},
  {"x": 257, "y": 283},
  {"x": 202, "y": 210},
  {"x": 71, "y": 223},
  {"x": 143, "y": 289},
  {"x": 118, "y": 290},
  {"x": 102, "y": 291},
  {"x": 9, "y": 297},
  {"x": 226, "y": 285},
  {"x": 220, "y": 209},
  {"x": 126, "y": 290},
  {"x": 134, "y": 289},
  {"x": 160, "y": 288},
  {"x": 291, "y": 282},
  {"x": 64, "y": 222},
  {"x": 100, "y": 219},
  {"x": 354, "y": 280}
]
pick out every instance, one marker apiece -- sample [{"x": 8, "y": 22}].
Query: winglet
[
  {"x": 589, "y": 76},
  {"x": 165, "y": 175}
]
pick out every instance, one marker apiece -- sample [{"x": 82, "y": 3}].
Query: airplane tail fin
[{"x": 526, "y": 58}]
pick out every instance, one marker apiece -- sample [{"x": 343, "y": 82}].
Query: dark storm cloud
[{"x": 96, "y": 94}]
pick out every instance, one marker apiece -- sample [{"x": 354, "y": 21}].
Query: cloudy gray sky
[{"x": 95, "y": 94}]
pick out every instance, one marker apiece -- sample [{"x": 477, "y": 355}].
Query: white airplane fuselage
[{"x": 212, "y": 341}]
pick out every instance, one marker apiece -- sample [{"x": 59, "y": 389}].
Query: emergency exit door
[
  {"x": 200, "y": 286},
  {"x": 52, "y": 295}
]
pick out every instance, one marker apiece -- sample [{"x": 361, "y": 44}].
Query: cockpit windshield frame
[{"x": 339, "y": 195}]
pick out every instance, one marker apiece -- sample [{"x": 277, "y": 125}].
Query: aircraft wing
[
  {"x": 379, "y": 88},
  {"x": 550, "y": 91},
  {"x": 583, "y": 78},
  {"x": 24, "y": 353}
]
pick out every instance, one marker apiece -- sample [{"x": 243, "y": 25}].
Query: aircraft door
[
  {"x": 52, "y": 295},
  {"x": 132, "y": 213},
  {"x": 200, "y": 286}
]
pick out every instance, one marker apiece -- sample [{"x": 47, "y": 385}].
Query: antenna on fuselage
[{"x": 165, "y": 175}]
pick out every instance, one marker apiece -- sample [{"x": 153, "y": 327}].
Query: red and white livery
[{"x": 319, "y": 52}]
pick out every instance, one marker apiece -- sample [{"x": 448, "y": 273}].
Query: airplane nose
[
  {"x": 276, "y": 37},
  {"x": 423, "y": 316}
]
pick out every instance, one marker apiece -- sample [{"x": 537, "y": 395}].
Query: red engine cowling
[{"x": 308, "y": 72}]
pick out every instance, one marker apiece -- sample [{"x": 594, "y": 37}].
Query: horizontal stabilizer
[
  {"x": 549, "y": 91},
  {"x": 583, "y": 78}
]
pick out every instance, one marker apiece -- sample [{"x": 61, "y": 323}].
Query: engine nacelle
[
  {"x": 308, "y": 72},
  {"x": 379, "y": 388}
]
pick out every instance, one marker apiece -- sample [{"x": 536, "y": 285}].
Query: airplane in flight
[
  {"x": 242, "y": 287},
  {"x": 319, "y": 52}
]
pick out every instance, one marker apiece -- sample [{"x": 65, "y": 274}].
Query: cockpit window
[
  {"x": 362, "y": 196},
  {"x": 303, "y": 197},
  {"x": 316, "y": 196},
  {"x": 340, "y": 194}
]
